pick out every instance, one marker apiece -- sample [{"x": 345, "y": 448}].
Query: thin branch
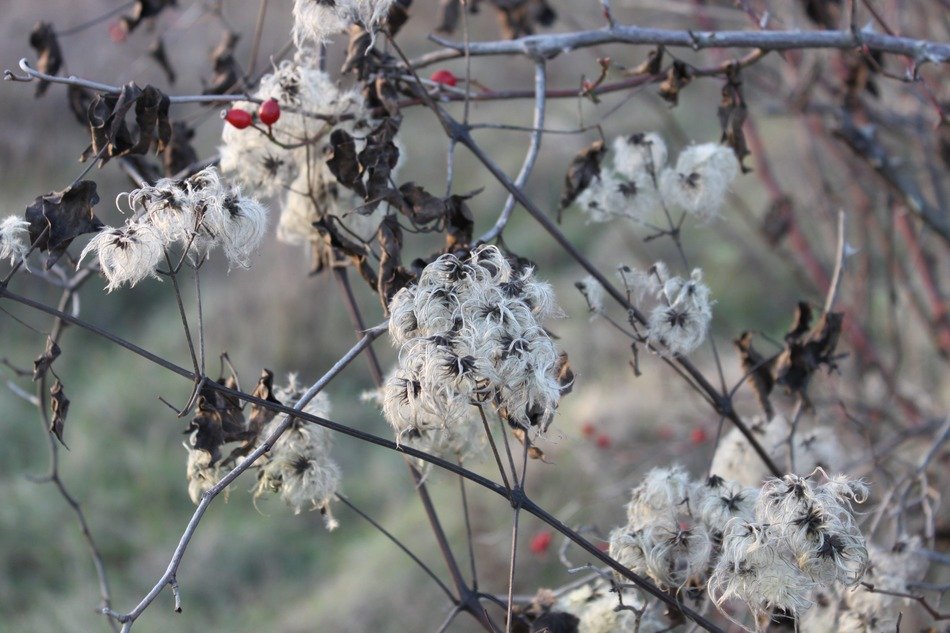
[
  {"x": 540, "y": 86},
  {"x": 548, "y": 46},
  {"x": 398, "y": 544}
]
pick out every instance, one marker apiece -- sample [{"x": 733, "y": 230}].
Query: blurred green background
[{"x": 262, "y": 568}]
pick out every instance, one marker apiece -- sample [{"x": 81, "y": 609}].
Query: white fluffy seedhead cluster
[
  {"x": 815, "y": 447},
  {"x": 637, "y": 182},
  {"x": 294, "y": 167},
  {"x": 14, "y": 238},
  {"x": 196, "y": 214},
  {"x": 699, "y": 182},
  {"x": 470, "y": 333},
  {"x": 298, "y": 85},
  {"x": 803, "y": 539},
  {"x": 674, "y": 523},
  {"x": 299, "y": 467},
  {"x": 772, "y": 548},
  {"x": 680, "y": 320},
  {"x": 598, "y": 610},
  {"x": 861, "y": 610},
  {"x": 315, "y": 21}
]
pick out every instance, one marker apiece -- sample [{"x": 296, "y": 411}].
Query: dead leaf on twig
[
  {"x": 59, "y": 407},
  {"x": 583, "y": 169},
  {"x": 49, "y": 55},
  {"x": 61, "y": 216}
]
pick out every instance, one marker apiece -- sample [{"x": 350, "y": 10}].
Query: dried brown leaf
[
  {"x": 45, "y": 360},
  {"x": 63, "y": 215},
  {"x": 677, "y": 77},
  {"x": 583, "y": 169},
  {"x": 59, "y": 407},
  {"x": 49, "y": 55},
  {"x": 759, "y": 370}
]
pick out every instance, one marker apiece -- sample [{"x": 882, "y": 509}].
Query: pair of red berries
[{"x": 268, "y": 114}]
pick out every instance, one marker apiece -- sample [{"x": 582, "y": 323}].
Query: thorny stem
[{"x": 526, "y": 504}]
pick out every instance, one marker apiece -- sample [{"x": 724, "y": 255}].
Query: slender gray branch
[
  {"x": 540, "y": 100},
  {"x": 551, "y": 45},
  {"x": 169, "y": 577}
]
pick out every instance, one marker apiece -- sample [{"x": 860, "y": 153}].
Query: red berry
[
  {"x": 445, "y": 77},
  {"x": 604, "y": 441},
  {"x": 269, "y": 112},
  {"x": 238, "y": 118},
  {"x": 588, "y": 429},
  {"x": 698, "y": 435},
  {"x": 540, "y": 543},
  {"x": 118, "y": 31}
]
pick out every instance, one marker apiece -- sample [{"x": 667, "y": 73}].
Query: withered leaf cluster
[
  {"x": 220, "y": 419},
  {"x": 111, "y": 134},
  {"x": 45, "y": 360},
  {"x": 539, "y": 616},
  {"x": 583, "y": 169},
  {"x": 58, "y": 217},
  {"x": 143, "y": 10},
  {"x": 59, "y": 407},
  {"x": 732, "y": 115},
  {"x": 49, "y": 55},
  {"x": 227, "y": 72},
  {"x": 515, "y": 17},
  {"x": 157, "y": 52},
  {"x": 677, "y": 78},
  {"x": 361, "y": 56},
  {"x": 808, "y": 346}
]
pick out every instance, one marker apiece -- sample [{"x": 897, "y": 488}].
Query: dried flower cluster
[
  {"x": 289, "y": 158},
  {"x": 680, "y": 320},
  {"x": 317, "y": 20},
  {"x": 815, "y": 446},
  {"x": 600, "y": 608},
  {"x": 862, "y": 610},
  {"x": 197, "y": 214},
  {"x": 639, "y": 183},
  {"x": 14, "y": 238},
  {"x": 469, "y": 334},
  {"x": 772, "y": 548},
  {"x": 298, "y": 467}
]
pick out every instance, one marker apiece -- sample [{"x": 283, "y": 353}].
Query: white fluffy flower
[
  {"x": 268, "y": 167},
  {"x": 611, "y": 196},
  {"x": 680, "y": 322},
  {"x": 127, "y": 254},
  {"x": 318, "y": 20},
  {"x": 700, "y": 180},
  {"x": 202, "y": 474},
  {"x": 14, "y": 238},
  {"x": 469, "y": 334},
  {"x": 639, "y": 154},
  {"x": 299, "y": 467}
]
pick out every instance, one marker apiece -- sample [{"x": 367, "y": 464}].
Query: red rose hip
[
  {"x": 445, "y": 77},
  {"x": 238, "y": 118},
  {"x": 269, "y": 112}
]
